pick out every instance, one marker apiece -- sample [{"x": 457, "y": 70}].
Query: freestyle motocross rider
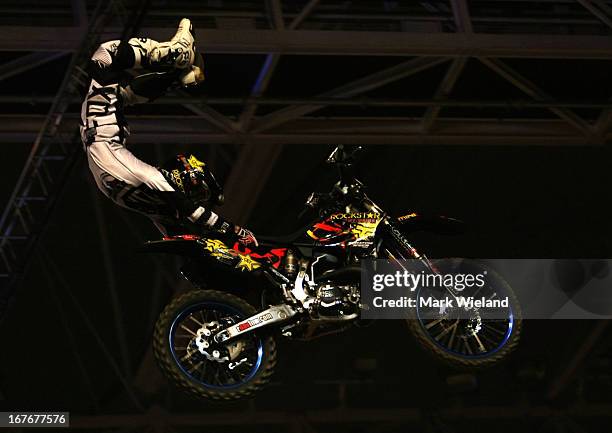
[{"x": 137, "y": 72}]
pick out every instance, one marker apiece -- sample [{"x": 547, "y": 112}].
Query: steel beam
[
  {"x": 304, "y": 13},
  {"x": 577, "y": 360},
  {"x": 345, "y": 14},
  {"x": 52, "y": 156},
  {"x": 607, "y": 9},
  {"x": 358, "y": 101},
  {"x": 254, "y": 163},
  {"x": 603, "y": 122},
  {"x": 527, "y": 138},
  {"x": 76, "y": 349},
  {"x": 269, "y": 66},
  {"x": 28, "y": 38},
  {"x": 591, "y": 7},
  {"x": 351, "y": 89},
  {"x": 358, "y": 130},
  {"x": 535, "y": 92},
  {"x": 89, "y": 326},
  {"x": 260, "y": 86},
  {"x": 247, "y": 179},
  {"x": 443, "y": 91},
  {"x": 111, "y": 281},
  {"x": 461, "y": 14},
  {"x": 206, "y": 112},
  {"x": 275, "y": 12},
  {"x": 29, "y": 61}
]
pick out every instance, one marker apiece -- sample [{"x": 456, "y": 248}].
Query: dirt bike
[{"x": 216, "y": 345}]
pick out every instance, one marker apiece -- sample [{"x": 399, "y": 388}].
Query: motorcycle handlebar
[
  {"x": 348, "y": 185},
  {"x": 342, "y": 155},
  {"x": 344, "y": 159}
]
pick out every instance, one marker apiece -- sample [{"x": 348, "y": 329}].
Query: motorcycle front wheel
[
  {"x": 474, "y": 338},
  {"x": 189, "y": 357}
]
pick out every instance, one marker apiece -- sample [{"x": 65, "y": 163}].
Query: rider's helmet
[{"x": 193, "y": 177}]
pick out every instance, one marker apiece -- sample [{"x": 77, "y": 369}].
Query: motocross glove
[
  {"x": 246, "y": 237},
  {"x": 234, "y": 233}
]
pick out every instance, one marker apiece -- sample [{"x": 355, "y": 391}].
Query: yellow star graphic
[
  {"x": 247, "y": 263},
  {"x": 195, "y": 163}
]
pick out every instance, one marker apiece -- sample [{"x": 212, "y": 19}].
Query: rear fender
[{"x": 194, "y": 246}]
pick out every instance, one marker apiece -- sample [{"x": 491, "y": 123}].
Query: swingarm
[{"x": 274, "y": 314}]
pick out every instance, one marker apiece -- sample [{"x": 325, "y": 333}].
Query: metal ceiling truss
[
  {"x": 52, "y": 156},
  {"x": 361, "y": 101},
  {"x": 284, "y": 36},
  {"x": 27, "y": 62},
  {"x": 164, "y": 129},
  {"x": 340, "y": 43},
  {"x": 254, "y": 163},
  {"x": 443, "y": 92}
]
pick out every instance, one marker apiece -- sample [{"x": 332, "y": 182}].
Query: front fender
[{"x": 414, "y": 222}]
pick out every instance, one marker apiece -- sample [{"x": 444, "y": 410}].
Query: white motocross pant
[
  {"x": 104, "y": 130},
  {"x": 122, "y": 177}
]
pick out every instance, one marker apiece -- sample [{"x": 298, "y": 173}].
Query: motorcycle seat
[{"x": 288, "y": 239}]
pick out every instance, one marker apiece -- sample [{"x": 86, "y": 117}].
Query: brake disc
[{"x": 202, "y": 342}]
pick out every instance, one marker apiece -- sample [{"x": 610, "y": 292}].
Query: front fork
[{"x": 408, "y": 253}]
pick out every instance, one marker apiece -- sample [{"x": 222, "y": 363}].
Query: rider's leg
[
  {"x": 104, "y": 130},
  {"x": 173, "y": 61},
  {"x": 150, "y": 86},
  {"x": 177, "y": 53},
  {"x": 114, "y": 56},
  {"x": 148, "y": 202}
]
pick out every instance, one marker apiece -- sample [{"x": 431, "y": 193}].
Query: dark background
[{"x": 78, "y": 334}]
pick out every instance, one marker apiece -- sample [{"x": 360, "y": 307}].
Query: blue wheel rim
[
  {"x": 223, "y": 308},
  {"x": 487, "y": 354}
]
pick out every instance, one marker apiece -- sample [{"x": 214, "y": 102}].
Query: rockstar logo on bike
[
  {"x": 356, "y": 217},
  {"x": 221, "y": 251},
  {"x": 247, "y": 263}
]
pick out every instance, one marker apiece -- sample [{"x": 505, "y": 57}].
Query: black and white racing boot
[{"x": 178, "y": 52}]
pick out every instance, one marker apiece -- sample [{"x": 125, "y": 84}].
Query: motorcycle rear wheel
[{"x": 164, "y": 346}]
